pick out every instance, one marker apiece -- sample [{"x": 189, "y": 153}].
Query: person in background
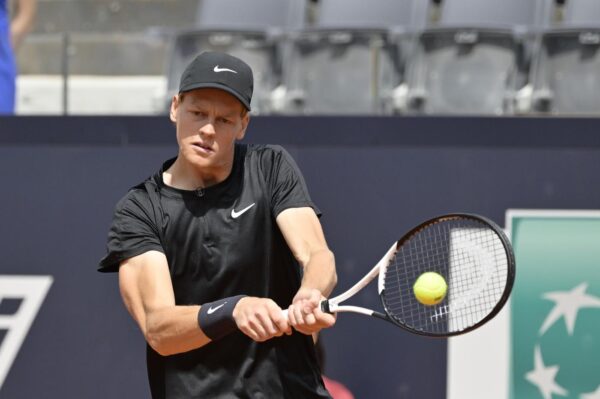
[{"x": 12, "y": 34}]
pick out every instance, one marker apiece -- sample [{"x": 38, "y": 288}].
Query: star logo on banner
[
  {"x": 567, "y": 304},
  {"x": 592, "y": 395},
  {"x": 544, "y": 377}
]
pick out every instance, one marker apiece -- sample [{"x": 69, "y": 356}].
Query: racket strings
[{"x": 469, "y": 255}]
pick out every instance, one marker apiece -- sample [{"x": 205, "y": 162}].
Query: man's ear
[
  {"x": 245, "y": 121},
  {"x": 175, "y": 103}
]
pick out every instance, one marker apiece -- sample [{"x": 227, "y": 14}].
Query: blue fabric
[{"x": 8, "y": 70}]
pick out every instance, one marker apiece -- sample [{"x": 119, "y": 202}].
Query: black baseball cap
[{"x": 220, "y": 71}]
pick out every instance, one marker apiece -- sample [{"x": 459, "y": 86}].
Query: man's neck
[{"x": 185, "y": 176}]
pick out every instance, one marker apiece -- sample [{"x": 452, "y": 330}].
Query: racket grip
[{"x": 324, "y": 307}]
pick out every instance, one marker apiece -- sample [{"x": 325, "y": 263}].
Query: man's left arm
[{"x": 304, "y": 235}]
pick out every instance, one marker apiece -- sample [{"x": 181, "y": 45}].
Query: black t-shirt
[{"x": 219, "y": 242}]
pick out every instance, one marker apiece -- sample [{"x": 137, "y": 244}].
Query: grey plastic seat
[
  {"x": 256, "y": 15},
  {"x": 249, "y": 29},
  {"x": 351, "y": 60},
  {"x": 377, "y": 14},
  {"x": 581, "y": 13},
  {"x": 566, "y": 77},
  {"x": 474, "y": 58},
  {"x": 489, "y": 14}
]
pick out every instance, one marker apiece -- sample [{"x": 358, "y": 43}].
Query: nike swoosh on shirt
[
  {"x": 212, "y": 310},
  {"x": 236, "y": 215},
  {"x": 217, "y": 69}
]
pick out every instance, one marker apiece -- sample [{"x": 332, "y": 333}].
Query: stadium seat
[
  {"x": 582, "y": 13},
  {"x": 566, "y": 75},
  {"x": 250, "y": 30},
  {"x": 474, "y": 58},
  {"x": 351, "y": 59}
]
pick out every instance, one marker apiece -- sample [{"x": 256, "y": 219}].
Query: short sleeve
[
  {"x": 286, "y": 184},
  {"x": 133, "y": 231}
]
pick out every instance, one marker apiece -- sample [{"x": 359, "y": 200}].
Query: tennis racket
[{"x": 470, "y": 252}]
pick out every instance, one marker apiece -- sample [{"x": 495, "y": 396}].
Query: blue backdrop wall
[{"x": 373, "y": 178}]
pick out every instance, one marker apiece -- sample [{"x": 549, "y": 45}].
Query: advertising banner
[{"x": 555, "y": 318}]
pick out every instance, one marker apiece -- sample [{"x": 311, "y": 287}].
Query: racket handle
[{"x": 324, "y": 308}]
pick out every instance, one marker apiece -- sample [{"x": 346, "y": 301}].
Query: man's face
[{"x": 208, "y": 121}]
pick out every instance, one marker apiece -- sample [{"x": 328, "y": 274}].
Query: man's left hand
[{"x": 305, "y": 314}]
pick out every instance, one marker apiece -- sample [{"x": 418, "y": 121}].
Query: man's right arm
[{"x": 147, "y": 291}]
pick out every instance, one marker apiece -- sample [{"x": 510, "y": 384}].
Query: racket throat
[
  {"x": 326, "y": 307},
  {"x": 381, "y": 316}
]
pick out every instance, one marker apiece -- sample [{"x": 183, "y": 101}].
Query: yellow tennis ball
[{"x": 430, "y": 288}]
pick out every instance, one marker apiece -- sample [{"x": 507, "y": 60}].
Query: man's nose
[{"x": 208, "y": 128}]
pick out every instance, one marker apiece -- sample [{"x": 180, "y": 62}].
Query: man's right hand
[{"x": 260, "y": 318}]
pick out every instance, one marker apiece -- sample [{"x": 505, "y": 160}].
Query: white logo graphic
[
  {"x": 212, "y": 310},
  {"x": 32, "y": 291},
  {"x": 592, "y": 395},
  {"x": 217, "y": 69},
  {"x": 236, "y": 215},
  {"x": 544, "y": 376},
  {"x": 567, "y": 306}
]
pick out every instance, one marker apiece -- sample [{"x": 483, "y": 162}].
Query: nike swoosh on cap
[
  {"x": 236, "y": 215},
  {"x": 217, "y": 69}
]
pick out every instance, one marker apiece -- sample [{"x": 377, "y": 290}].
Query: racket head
[{"x": 475, "y": 258}]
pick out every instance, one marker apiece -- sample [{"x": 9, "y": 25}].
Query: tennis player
[{"x": 213, "y": 246}]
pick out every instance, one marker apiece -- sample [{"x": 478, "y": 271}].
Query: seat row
[{"x": 488, "y": 57}]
